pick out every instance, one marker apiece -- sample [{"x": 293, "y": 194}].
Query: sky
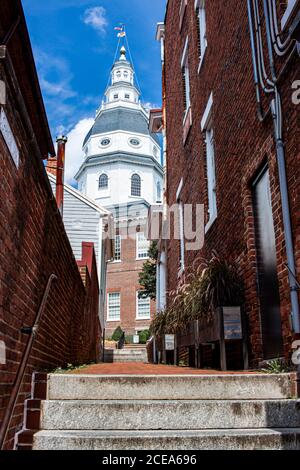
[{"x": 74, "y": 44}]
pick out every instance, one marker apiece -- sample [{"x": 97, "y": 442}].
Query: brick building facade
[
  {"x": 33, "y": 241},
  {"x": 219, "y": 151},
  {"x": 123, "y": 281}
]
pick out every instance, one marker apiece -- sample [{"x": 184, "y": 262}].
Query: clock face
[{"x": 105, "y": 142}]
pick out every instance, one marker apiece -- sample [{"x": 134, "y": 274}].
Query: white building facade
[{"x": 122, "y": 172}]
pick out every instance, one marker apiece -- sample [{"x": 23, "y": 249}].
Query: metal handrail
[{"x": 32, "y": 331}]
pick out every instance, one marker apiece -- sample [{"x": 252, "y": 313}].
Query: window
[
  {"x": 201, "y": 23},
  {"x": 114, "y": 306},
  {"x": 116, "y": 97},
  {"x": 136, "y": 185},
  {"x": 158, "y": 192},
  {"x": 103, "y": 181},
  {"x": 118, "y": 74},
  {"x": 118, "y": 246},
  {"x": 135, "y": 142},
  {"x": 126, "y": 74},
  {"x": 186, "y": 78},
  {"x": 105, "y": 142},
  {"x": 143, "y": 308},
  {"x": 207, "y": 127},
  {"x": 181, "y": 229},
  {"x": 127, "y": 97},
  {"x": 142, "y": 246}
]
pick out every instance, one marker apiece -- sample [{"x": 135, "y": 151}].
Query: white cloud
[
  {"x": 74, "y": 154},
  {"x": 96, "y": 18}
]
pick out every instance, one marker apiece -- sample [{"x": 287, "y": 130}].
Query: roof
[
  {"x": 90, "y": 202},
  {"x": 20, "y": 52},
  {"x": 120, "y": 119}
]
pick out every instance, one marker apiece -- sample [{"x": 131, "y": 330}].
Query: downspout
[
  {"x": 61, "y": 152},
  {"x": 276, "y": 109}
]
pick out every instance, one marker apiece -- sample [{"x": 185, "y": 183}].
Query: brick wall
[
  {"x": 241, "y": 146},
  {"x": 33, "y": 245}
]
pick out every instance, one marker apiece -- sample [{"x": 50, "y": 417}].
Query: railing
[
  {"x": 32, "y": 331},
  {"x": 121, "y": 342}
]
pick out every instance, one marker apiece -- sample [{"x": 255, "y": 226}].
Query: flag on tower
[{"x": 118, "y": 28}]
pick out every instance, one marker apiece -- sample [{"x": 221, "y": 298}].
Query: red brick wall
[
  {"x": 241, "y": 145},
  {"x": 33, "y": 245},
  {"x": 123, "y": 277}
]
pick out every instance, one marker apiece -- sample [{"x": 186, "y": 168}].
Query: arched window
[
  {"x": 103, "y": 181},
  {"x": 135, "y": 185},
  {"x": 158, "y": 191}
]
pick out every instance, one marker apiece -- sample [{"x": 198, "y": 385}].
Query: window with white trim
[
  {"x": 136, "y": 185},
  {"x": 114, "y": 306},
  {"x": 118, "y": 247},
  {"x": 158, "y": 192},
  {"x": 207, "y": 127},
  {"x": 181, "y": 228},
  {"x": 142, "y": 246},
  {"x": 143, "y": 308},
  {"x": 186, "y": 77},
  {"x": 103, "y": 181},
  {"x": 201, "y": 24}
]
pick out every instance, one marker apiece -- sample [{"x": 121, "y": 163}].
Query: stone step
[
  {"x": 169, "y": 387},
  {"x": 169, "y": 414},
  {"x": 250, "y": 439}
]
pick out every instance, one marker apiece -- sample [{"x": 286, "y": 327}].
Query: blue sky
[{"x": 74, "y": 43}]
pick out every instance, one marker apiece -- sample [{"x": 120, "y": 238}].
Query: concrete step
[
  {"x": 169, "y": 387},
  {"x": 250, "y": 439},
  {"x": 169, "y": 414}
]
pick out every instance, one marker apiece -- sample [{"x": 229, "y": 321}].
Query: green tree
[{"x": 147, "y": 277}]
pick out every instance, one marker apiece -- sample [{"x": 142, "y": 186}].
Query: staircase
[
  {"x": 169, "y": 412},
  {"x": 130, "y": 353}
]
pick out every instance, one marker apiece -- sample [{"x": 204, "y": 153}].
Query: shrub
[
  {"x": 117, "y": 334},
  {"x": 214, "y": 283},
  {"x": 144, "y": 336}
]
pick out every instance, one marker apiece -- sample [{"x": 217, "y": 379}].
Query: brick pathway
[{"x": 133, "y": 368}]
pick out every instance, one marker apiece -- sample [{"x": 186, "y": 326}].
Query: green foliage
[
  {"x": 213, "y": 284},
  {"x": 147, "y": 277},
  {"x": 144, "y": 336},
  {"x": 70, "y": 368},
  {"x": 276, "y": 366},
  {"x": 117, "y": 334}
]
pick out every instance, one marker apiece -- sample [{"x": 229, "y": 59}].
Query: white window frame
[
  {"x": 119, "y": 237},
  {"x": 181, "y": 229},
  {"x": 207, "y": 127},
  {"x": 200, "y": 8},
  {"x": 109, "y": 319},
  {"x": 138, "y": 300},
  {"x": 139, "y": 255},
  {"x": 9, "y": 138},
  {"x": 288, "y": 13},
  {"x": 186, "y": 77}
]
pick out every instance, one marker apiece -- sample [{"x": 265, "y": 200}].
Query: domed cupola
[{"x": 119, "y": 145}]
